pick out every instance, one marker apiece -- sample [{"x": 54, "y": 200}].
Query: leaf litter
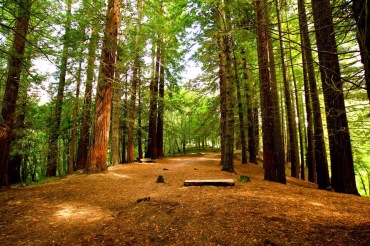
[{"x": 127, "y": 207}]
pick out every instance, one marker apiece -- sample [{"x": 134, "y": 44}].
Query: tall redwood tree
[
  {"x": 103, "y": 101},
  {"x": 342, "y": 169},
  {"x": 273, "y": 158}
]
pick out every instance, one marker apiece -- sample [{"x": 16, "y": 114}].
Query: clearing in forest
[{"x": 127, "y": 207}]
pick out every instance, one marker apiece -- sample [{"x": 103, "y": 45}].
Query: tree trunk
[
  {"x": 310, "y": 154},
  {"x": 273, "y": 157},
  {"x": 71, "y": 161},
  {"x": 53, "y": 149},
  {"x": 298, "y": 111},
  {"x": 342, "y": 169},
  {"x": 124, "y": 128},
  {"x": 116, "y": 111},
  {"x": 139, "y": 123},
  {"x": 292, "y": 127},
  {"x": 135, "y": 78},
  {"x": 226, "y": 90},
  {"x": 12, "y": 86},
  {"x": 310, "y": 137},
  {"x": 252, "y": 115},
  {"x": 152, "y": 151},
  {"x": 243, "y": 141},
  {"x": 18, "y": 134},
  {"x": 319, "y": 143},
  {"x": 228, "y": 164},
  {"x": 278, "y": 134},
  {"x": 160, "y": 106},
  {"x": 84, "y": 140},
  {"x": 99, "y": 145},
  {"x": 222, "y": 75}
]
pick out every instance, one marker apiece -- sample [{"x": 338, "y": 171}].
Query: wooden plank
[
  {"x": 213, "y": 182},
  {"x": 147, "y": 160}
]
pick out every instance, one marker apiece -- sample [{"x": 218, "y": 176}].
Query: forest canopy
[{"x": 89, "y": 84}]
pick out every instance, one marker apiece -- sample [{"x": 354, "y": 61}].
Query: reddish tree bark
[{"x": 101, "y": 125}]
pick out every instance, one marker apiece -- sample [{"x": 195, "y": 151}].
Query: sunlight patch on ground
[
  {"x": 209, "y": 159},
  {"x": 316, "y": 204},
  {"x": 71, "y": 212},
  {"x": 180, "y": 159},
  {"x": 116, "y": 167},
  {"x": 120, "y": 176}
]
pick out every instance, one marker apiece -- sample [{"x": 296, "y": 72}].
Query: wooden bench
[
  {"x": 146, "y": 160},
  {"x": 213, "y": 182}
]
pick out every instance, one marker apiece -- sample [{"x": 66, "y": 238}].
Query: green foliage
[
  {"x": 191, "y": 119},
  {"x": 359, "y": 124},
  {"x": 190, "y": 35},
  {"x": 43, "y": 181},
  {"x": 244, "y": 179}
]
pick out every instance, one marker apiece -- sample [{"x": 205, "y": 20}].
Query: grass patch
[
  {"x": 244, "y": 179},
  {"x": 44, "y": 181}
]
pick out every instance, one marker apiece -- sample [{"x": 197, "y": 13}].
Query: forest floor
[{"x": 125, "y": 206}]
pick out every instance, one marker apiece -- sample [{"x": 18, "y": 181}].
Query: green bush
[{"x": 244, "y": 179}]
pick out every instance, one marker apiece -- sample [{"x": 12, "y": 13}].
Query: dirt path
[{"x": 103, "y": 209}]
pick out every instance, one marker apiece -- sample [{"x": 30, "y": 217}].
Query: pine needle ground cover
[{"x": 126, "y": 206}]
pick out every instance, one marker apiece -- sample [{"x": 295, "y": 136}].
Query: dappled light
[
  {"x": 70, "y": 212},
  {"x": 78, "y": 212}
]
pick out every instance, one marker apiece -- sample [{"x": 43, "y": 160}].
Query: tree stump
[{"x": 160, "y": 179}]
